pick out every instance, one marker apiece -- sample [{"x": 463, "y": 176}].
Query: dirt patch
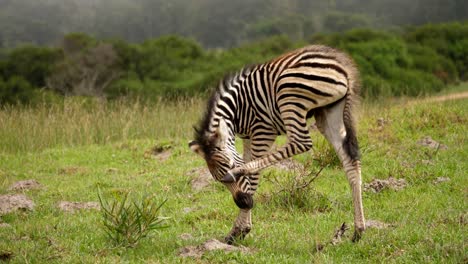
[
  {"x": 112, "y": 170},
  {"x": 187, "y": 210},
  {"x": 4, "y": 225},
  {"x": 160, "y": 153},
  {"x": 6, "y": 256},
  {"x": 25, "y": 185},
  {"x": 377, "y": 224},
  {"x": 202, "y": 178},
  {"x": 378, "y": 185},
  {"x": 13, "y": 202},
  {"x": 443, "y": 98},
  {"x": 427, "y": 141},
  {"x": 185, "y": 236},
  {"x": 71, "y": 170},
  {"x": 210, "y": 245},
  {"x": 72, "y": 207},
  {"x": 441, "y": 180}
]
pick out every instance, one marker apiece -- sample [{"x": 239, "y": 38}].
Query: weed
[
  {"x": 296, "y": 189},
  {"x": 126, "y": 222}
]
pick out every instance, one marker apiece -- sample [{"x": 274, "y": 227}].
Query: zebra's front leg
[
  {"x": 253, "y": 167},
  {"x": 241, "y": 227},
  {"x": 299, "y": 141},
  {"x": 243, "y": 223}
]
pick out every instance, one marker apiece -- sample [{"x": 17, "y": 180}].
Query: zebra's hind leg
[{"x": 330, "y": 124}]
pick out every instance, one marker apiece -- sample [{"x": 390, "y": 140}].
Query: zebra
[{"x": 262, "y": 101}]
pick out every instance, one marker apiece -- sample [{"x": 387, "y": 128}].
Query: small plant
[
  {"x": 126, "y": 222},
  {"x": 296, "y": 190}
]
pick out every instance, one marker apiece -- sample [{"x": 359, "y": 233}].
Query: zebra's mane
[{"x": 201, "y": 135}]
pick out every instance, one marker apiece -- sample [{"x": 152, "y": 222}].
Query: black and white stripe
[{"x": 262, "y": 101}]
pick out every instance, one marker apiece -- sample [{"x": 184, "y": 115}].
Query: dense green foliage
[{"x": 414, "y": 61}]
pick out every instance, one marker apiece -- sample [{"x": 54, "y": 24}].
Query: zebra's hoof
[
  {"x": 357, "y": 235},
  {"x": 236, "y": 233},
  {"x": 228, "y": 178}
]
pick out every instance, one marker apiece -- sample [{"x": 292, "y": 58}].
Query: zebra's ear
[
  {"x": 195, "y": 147},
  {"x": 220, "y": 135}
]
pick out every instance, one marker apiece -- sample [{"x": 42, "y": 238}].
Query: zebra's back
[{"x": 298, "y": 81}]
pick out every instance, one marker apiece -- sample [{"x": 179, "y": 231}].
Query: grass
[
  {"x": 75, "y": 148},
  {"x": 80, "y": 122}
]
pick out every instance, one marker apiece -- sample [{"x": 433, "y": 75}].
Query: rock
[
  {"x": 381, "y": 122},
  {"x": 377, "y": 185},
  {"x": 427, "y": 141},
  {"x": 25, "y": 185},
  {"x": 4, "y": 225},
  {"x": 185, "y": 236},
  {"x": 13, "y": 202},
  {"x": 72, "y": 207},
  {"x": 441, "y": 179},
  {"x": 210, "y": 245},
  {"x": 427, "y": 162},
  {"x": 202, "y": 179},
  {"x": 6, "y": 256},
  {"x": 376, "y": 224},
  {"x": 71, "y": 170},
  {"x": 161, "y": 153},
  {"x": 112, "y": 170},
  {"x": 187, "y": 210}
]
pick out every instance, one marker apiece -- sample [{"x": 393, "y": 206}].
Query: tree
[{"x": 87, "y": 71}]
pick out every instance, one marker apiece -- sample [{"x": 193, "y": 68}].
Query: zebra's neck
[{"x": 228, "y": 101}]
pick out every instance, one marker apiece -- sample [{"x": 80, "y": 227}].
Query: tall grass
[{"x": 77, "y": 122}]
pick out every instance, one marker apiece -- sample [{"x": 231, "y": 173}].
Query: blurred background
[{"x": 179, "y": 48}]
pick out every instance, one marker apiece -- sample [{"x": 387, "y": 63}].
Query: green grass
[{"x": 73, "y": 150}]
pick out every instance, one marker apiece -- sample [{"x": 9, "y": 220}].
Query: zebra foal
[{"x": 260, "y": 102}]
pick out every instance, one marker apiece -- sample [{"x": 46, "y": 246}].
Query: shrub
[
  {"x": 16, "y": 90},
  {"x": 126, "y": 222},
  {"x": 87, "y": 72},
  {"x": 165, "y": 57},
  {"x": 32, "y": 63},
  {"x": 448, "y": 39},
  {"x": 295, "y": 190}
]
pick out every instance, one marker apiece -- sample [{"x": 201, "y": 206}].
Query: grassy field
[{"x": 75, "y": 148}]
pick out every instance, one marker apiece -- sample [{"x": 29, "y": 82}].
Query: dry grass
[{"x": 77, "y": 122}]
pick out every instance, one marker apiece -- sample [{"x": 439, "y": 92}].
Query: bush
[
  {"x": 16, "y": 90},
  {"x": 391, "y": 65},
  {"x": 85, "y": 72},
  {"x": 32, "y": 63},
  {"x": 449, "y": 40},
  {"x": 165, "y": 57},
  {"x": 415, "y": 61},
  {"x": 296, "y": 191},
  {"x": 126, "y": 222}
]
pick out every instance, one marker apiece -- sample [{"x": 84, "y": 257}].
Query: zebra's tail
[{"x": 352, "y": 101}]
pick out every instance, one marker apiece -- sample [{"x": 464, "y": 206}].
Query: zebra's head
[{"x": 220, "y": 154}]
